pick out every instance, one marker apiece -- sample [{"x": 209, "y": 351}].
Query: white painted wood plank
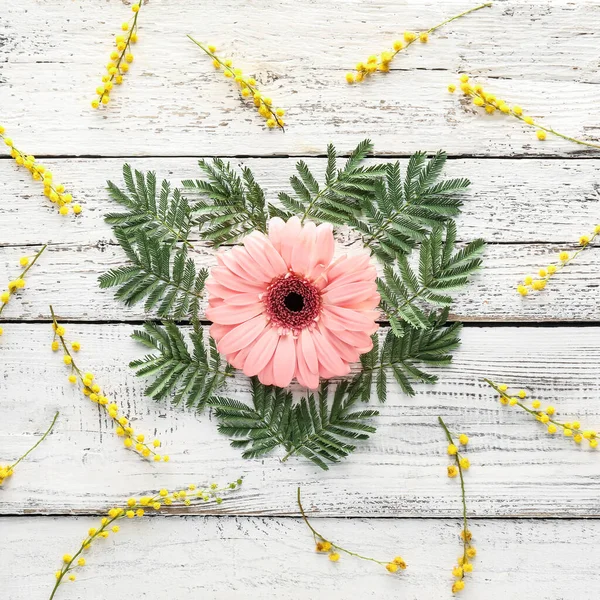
[
  {"x": 237, "y": 558},
  {"x": 67, "y": 277},
  {"x": 510, "y": 200},
  {"x": 540, "y": 55},
  {"x": 517, "y": 469}
]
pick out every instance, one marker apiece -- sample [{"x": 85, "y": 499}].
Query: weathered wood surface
[
  {"x": 510, "y": 200},
  {"x": 518, "y": 469},
  {"x": 528, "y": 200},
  {"x": 237, "y": 558},
  {"x": 67, "y": 277},
  {"x": 540, "y": 55}
]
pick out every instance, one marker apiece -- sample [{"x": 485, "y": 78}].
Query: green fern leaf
[
  {"x": 442, "y": 270},
  {"x": 311, "y": 428},
  {"x": 190, "y": 377},
  {"x": 400, "y": 212},
  {"x": 164, "y": 218},
  {"x": 229, "y": 206},
  {"x": 158, "y": 272},
  {"x": 339, "y": 198}
]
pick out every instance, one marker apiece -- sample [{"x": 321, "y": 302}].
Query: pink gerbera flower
[{"x": 281, "y": 309}]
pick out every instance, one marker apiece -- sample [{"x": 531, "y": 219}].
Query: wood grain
[
  {"x": 539, "y": 55},
  {"x": 234, "y": 558},
  {"x": 518, "y": 469},
  {"x": 67, "y": 277},
  {"x": 509, "y": 201}
]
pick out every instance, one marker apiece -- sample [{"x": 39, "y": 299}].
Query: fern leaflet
[
  {"x": 172, "y": 286},
  {"x": 191, "y": 378}
]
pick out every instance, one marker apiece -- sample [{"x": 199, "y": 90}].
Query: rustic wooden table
[{"x": 533, "y": 498}]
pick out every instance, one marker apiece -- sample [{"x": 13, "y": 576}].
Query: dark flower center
[{"x": 292, "y": 302}]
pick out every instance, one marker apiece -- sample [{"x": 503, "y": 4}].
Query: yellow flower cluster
[
  {"x": 247, "y": 85},
  {"x": 120, "y": 58},
  {"x": 570, "y": 429},
  {"x": 461, "y": 464},
  {"x": 55, "y": 192},
  {"x": 531, "y": 283},
  {"x": 92, "y": 390},
  {"x": 8, "y": 470},
  {"x": 382, "y": 62},
  {"x": 137, "y": 507},
  {"x": 490, "y": 103},
  {"x": 333, "y": 550},
  {"x": 19, "y": 283}
]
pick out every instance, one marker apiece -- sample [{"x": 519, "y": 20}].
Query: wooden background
[{"x": 533, "y": 498}]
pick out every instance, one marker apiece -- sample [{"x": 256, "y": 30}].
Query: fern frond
[
  {"x": 232, "y": 206},
  {"x": 158, "y": 272},
  {"x": 190, "y": 377},
  {"x": 442, "y": 270},
  {"x": 312, "y": 428},
  {"x": 400, "y": 212},
  {"x": 339, "y": 198},
  {"x": 403, "y": 355},
  {"x": 163, "y": 216}
]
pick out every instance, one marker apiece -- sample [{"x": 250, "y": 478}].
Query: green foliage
[
  {"x": 190, "y": 378},
  {"x": 402, "y": 355},
  {"x": 160, "y": 272},
  {"x": 311, "y": 428},
  {"x": 234, "y": 205},
  {"x": 165, "y": 217},
  {"x": 340, "y": 197},
  {"x": 441, "y": 270},
  {"x": 400, "y": 212}
]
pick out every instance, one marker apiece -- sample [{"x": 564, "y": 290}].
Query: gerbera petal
[
  {"x": 309, "y": 352},
  {"x": 238, "y": 359},
  {"x": 284, "y": 361},
  {"x": 347, "y": 318},
  {"x": 369, "y": 274},
  {"x": 327, "y": 355},
  {"x": 290, "y": 235},
  {"x": 301, "y": 253},
  {"x": 242, "y": 335},
  {"x": 323, "y": 250},
  {"x": 352, "y": 263},
  {"x": 247, "y": 264},
  {"x": 266, "y": 375},
  {"x": 216, "y": 290},
  {"x": 303, "y": 373},
  {"x": 263, "y": 252},
  {"x": 225, "y": 277},
  {"x": 262, "y": 352},
  {"x": 351, "y": 293},
  {"x": 237, "y": 263},
  {"x": 276, "y": 225},
  {"x": 241, "y": 299},
  {"x": 217, "y": 331},
  {"x": 232, "y": 315}
]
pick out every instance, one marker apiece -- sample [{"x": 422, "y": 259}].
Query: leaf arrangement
[{"x": 405, "y": 219}]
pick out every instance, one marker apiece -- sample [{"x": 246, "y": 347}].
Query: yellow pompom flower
[
  {"x": 381, "y": 63},
  {"x": 247, "y": 86},
  {"x": 120, "y": 59}
]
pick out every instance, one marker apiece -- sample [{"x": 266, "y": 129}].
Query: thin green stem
[
  {"x": 462, "y": 14},
  {"x": 37, "y": 443},
  {"x": 532, "y": 412},
  {"x": 463, "y": 493},
  {"x": 316, "y": 535},
  {"x": 571, "y": 258},
  {"x": 69, "y": 565},
  {"x": 132, "y": 30},
  {"x": 432, "y": 29},
  {"x": 114, "y": 419},
  {"x": 479, "y": 94},
  {"x": 253, "y": 89},
  {"x": 24, "y": 272}
]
